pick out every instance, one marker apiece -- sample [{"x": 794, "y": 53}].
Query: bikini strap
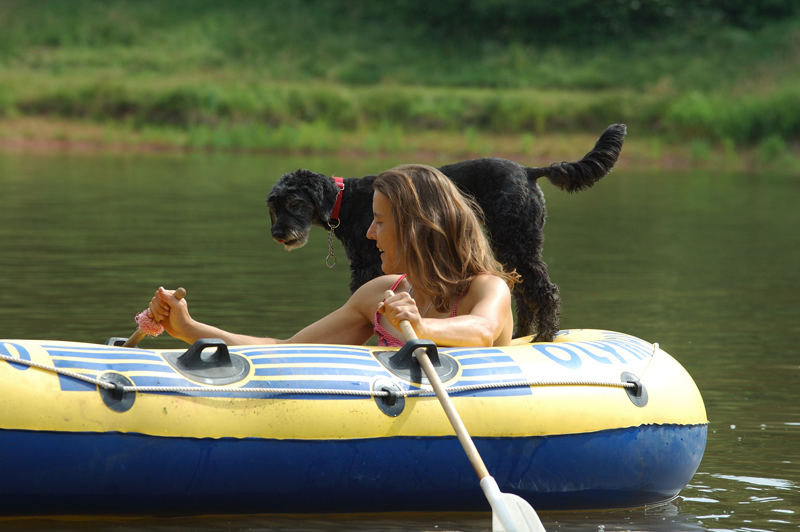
[{"x": 397, "y": 283}]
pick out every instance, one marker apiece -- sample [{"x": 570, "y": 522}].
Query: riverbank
[
  {"x": 715, "y": 86},
  {"x": 641, "y": 150}
]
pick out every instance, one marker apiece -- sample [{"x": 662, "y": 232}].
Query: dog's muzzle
[{"x": 290, "y": 241}]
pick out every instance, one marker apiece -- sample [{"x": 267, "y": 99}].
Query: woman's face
[{"x": 384, "y": 232}]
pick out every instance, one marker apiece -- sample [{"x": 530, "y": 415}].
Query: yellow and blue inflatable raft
[{"x": 595, "y": 419}]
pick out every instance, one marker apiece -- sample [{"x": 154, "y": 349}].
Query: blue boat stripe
[
  {"x": 109, "y": 355},
  {"x": 288, "y": 385},
  {"x": 120, "y": 367},
  {"x": 471, "y": 351},
  {"x": 151, "y": 380},
  {"x": 268, "y": 372},
  {"x": 304, "y": 350},
  {"x": 91, "y": 348},
  {"x": 491, "y": 370},
  {"x": 313, "y": 384},
  {"x": 68, "y": 384},
  {"x": 261, "y": 361},
  {"x": 468, "y": 361}
]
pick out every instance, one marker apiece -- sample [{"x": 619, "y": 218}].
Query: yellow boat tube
[{"x": 595, "y": 419}]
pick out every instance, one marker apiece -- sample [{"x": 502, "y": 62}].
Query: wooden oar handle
[{"x": 408, "y": 331}]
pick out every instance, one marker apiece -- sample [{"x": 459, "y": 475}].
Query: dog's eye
[{"x": 294, "y": 204}]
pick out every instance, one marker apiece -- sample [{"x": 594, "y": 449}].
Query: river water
[{"x": 704, "y": 263}]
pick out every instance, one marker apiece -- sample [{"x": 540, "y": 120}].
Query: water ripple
[{"x": 759, "y": 481}]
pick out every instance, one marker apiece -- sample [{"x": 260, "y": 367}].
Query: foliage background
[{"x": 706, "y": 81}]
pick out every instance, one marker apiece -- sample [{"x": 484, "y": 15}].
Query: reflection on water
[
  {"x": 772, "y": 482},
  {"x": 706, "y": 265}
]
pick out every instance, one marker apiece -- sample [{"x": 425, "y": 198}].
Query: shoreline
[{"x": 57, "y": 136}]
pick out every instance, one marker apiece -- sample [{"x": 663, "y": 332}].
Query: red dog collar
[{"x": 338, "y": 205}]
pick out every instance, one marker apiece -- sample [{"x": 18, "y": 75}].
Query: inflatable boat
[{"x": 595, "y": 419}]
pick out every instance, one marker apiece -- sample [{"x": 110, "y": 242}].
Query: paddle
[
  {"x": 510, "y": 513},
  {"x": 147, "y": 325}
]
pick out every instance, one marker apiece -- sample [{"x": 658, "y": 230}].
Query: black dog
[{"x": 513, "y": 208}]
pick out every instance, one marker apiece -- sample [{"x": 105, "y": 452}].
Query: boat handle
[{"x": 193, "y": 358}]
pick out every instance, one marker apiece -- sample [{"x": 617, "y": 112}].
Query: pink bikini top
[{"x": 386, "y": 338}]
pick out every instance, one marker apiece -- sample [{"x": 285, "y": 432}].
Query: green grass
[{"x": 302, "y": 74}]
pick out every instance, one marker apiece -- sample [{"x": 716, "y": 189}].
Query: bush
[
  {"x": 772, "y": 149},
  {"x": 744, "y": 119}
]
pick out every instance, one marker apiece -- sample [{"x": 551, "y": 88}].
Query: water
[{"x": 705, "y": 264}]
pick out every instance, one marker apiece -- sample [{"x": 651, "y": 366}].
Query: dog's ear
[
  {"x": 284, "y": 186},
  {"x": 322, "y": 192},
  {"x": 318, "y": 193}
]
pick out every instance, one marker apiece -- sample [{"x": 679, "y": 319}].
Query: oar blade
[
  {"x": 510, "y": 513},
  {"x": 521, "y": 514}
]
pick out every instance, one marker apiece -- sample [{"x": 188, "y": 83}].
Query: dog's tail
[{"x": 582, "y": 174}]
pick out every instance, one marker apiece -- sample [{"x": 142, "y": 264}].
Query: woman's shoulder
[
  {"x": 365, "y": 299},
  {"x": 486, "y": 280},
  {"x": 374, "y": 289},
  {"x": 385, "y": 281},
  {"x": 484, "y": 285}
]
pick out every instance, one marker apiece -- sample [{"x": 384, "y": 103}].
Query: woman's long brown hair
[{"x": 439, "y": 232}]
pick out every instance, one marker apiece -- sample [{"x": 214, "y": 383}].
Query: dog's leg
[
  {"x": 537, "y": 303},
  {"x": 524, "y": 315},
  {"x": 548, "y": 312}
]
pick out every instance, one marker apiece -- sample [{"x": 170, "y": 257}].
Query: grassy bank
[
  {"x": 323, "y": 75},
  {"x": 47, "y": 135}
]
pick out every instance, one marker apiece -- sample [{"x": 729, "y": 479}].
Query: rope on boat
[
  {"x": 363, "y": 393},
  {"x": 64, "y": 372},
  {"x": 312, "y": 391}
]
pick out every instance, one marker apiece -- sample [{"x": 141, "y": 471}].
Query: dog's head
[{"x": 295, "y": 204}]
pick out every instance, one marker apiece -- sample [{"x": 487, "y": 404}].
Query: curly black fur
[{"x": 513, "y": 207}]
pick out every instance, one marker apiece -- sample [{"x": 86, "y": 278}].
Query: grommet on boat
[
  {"x": 116, "y": 398},
  {"x": 637, "y": 393},
  {"x": 392, "y": 404}
]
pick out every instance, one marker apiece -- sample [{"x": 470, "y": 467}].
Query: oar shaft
[
  {"x": 135, "y": 338},
  {"x": 509, "y": 512},
  {"x": 447, "y": 404}
]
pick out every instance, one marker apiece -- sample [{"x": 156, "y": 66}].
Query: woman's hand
[
  {"x": 172, "y": 313},
  {"x": 400, "y": 307}
]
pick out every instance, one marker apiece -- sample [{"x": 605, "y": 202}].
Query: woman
[{"x": 436, "y": 259}]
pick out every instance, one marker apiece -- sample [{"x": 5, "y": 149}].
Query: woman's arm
[
  {"x": 349, "y": 324},
  {"x": 174, "y": 315}
]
